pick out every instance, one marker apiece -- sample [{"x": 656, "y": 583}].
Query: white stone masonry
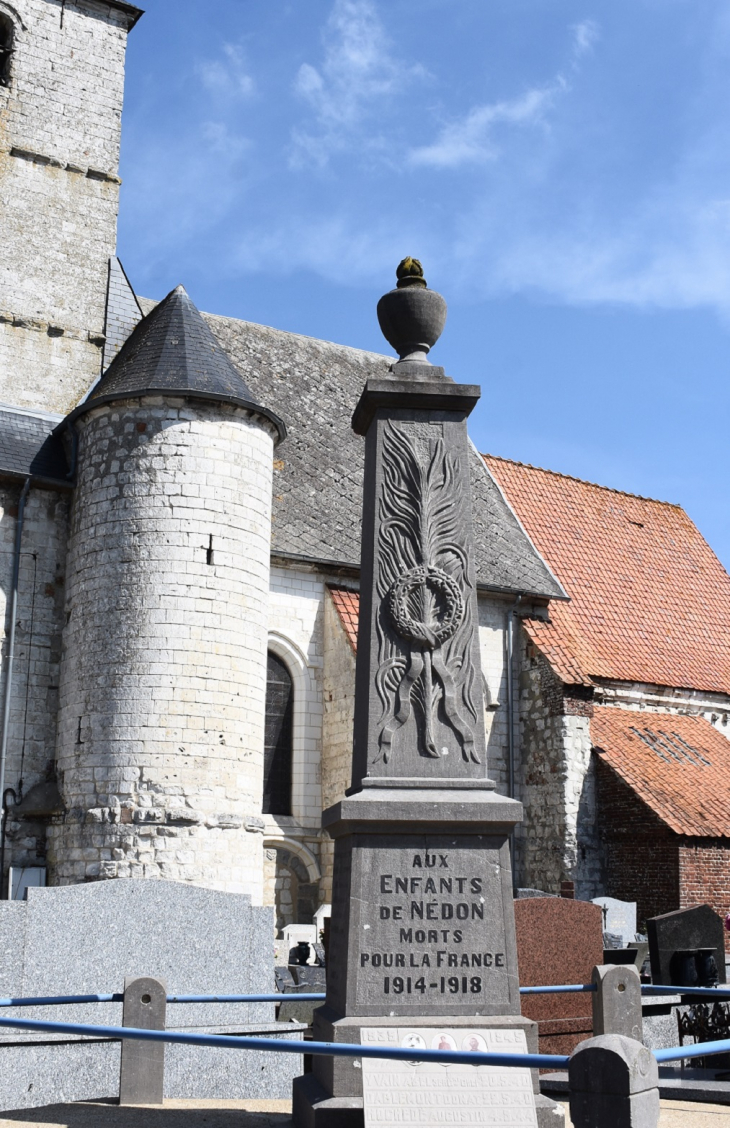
[
  {"x": 160, "y": 736},
  {"x": 34, "y": 695},
  {"x": 60, "y": 122}
]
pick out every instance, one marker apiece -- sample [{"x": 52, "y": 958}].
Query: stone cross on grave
[{"x": 422, "y": 931}]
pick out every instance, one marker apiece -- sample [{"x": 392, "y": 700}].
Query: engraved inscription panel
[
  {"x": 431, "y": 931},
  {"x": 430, "y": 1095}
]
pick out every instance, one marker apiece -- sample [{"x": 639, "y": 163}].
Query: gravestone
[
  {"x": 426, "y": 1093},
  {"x": 619, "y": 917},
  {"x": 324, "y": 912},
  {"x": 86, "y": 939},
  {"x": 295, "y": 934},
  {"x": 559, "y": 941},
  {"x": 422, "y": 926},
  {"x": 681, "y": 931}
]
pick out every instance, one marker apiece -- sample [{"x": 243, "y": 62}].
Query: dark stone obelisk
[{"x": 422, "y": 929}]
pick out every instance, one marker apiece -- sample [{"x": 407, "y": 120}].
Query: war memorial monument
[{"x": 422, "y": 931}]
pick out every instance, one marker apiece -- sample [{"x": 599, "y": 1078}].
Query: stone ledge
[
  {"x": 53, "y": 162},
  {"x": 403, "y": 811}
]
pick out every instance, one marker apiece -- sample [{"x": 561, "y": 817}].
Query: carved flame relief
[{"x": 424, "y": 620}]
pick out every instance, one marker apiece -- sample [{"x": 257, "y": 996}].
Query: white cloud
[
  {"x": 229, "y": 76},
  {"x": 470, "y": 140},
  {"x": 585, "y": 35},
  {"x": 670, "y": 253},
  {"x": 358, "y": 73}
]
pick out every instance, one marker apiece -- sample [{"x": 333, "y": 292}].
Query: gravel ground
[{"x": 686, "y": 1114}]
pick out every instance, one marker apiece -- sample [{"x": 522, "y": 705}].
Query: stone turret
[{"x": 162, "y": 696}]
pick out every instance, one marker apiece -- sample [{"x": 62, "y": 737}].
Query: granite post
[
  {"x": 614, "y": 1083},
  {"x": 617, "y": 1001},
  {"x": 422, "y": 929},
  {"x": 142, "y": 1069}
]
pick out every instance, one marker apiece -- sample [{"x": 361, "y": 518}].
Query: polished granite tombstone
[
  {"x": 698, "y": 926},
  {"x": 559, "y": 940},
  {"x": 422, "y": 926}
]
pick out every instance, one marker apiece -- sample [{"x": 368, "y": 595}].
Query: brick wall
[
  {"x": 160, "y": 735},
  {"x": 704, "y": 875},
  {"x": 60, "y": 122},
  {"x": 641, "y": 853}
]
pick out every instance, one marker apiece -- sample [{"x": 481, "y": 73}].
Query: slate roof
[
  {"x": 650, "y": 601},
  {"x": 678, "y": 765},
  {"x": 173, "y": 350},
  {"x": 123, "y": 311},
  {"x": 29, "y": 447},
  {"x": 317, "y": 497}
]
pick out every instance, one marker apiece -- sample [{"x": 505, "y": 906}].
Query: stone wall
[
  {"x": 34, "y": 695},
  {"x": 647, "y": 698},
  {"x": 492, "y": 640},
  {"x": 542, "y": 768},
  {"x": 339, "y": 712},
  {"x": 296, "y": 636},
  {"x": 292, "y": 843},
  {"x": 558, "y": 839},
  {"x": 60, "y": 121},
  {"x": 160, "y": 735}
]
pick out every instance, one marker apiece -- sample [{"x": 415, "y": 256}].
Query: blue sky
[{"x": 562, "y": 169}]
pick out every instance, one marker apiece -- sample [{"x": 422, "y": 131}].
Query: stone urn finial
[{"x": 411, "y": 316}]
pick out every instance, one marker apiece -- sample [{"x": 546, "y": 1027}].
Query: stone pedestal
[
  {"x": 422, "y": 916},
  {"x": 423, "y": 929}
]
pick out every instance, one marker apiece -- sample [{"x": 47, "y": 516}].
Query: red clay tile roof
[
  {"x": 347, "y": 606},
  {"x": 650, "y": 601},
  {"x": 679, "y": 766}
]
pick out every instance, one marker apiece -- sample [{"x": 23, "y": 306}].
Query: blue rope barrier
[
  {"x": 571, "y": 988},
  {"x": 317, "y": 996},
  {"x": 312, "y": 997},
  {"x": 331, "y": 1049},
  {"x": 698, "y": 1049},
  {"x": 60, "y": 1000},
  {"x": 662, "y": 989}
]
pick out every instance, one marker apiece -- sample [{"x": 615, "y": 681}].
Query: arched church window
[
  {"x": 6, "y": 48},
  {"x": 278, "y": 736}
]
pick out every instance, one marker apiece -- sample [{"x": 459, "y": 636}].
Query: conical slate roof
[{"x": 172, "y": 350}]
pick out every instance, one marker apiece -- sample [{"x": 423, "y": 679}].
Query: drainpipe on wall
[
  {"x": 511, "y": 717},
  {"x": 11, "y": 653}
]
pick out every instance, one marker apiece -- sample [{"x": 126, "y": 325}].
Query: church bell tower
[{"x": 61, "y": 92}]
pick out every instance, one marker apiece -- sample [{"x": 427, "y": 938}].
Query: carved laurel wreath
[{"x": 427, "y": 635}]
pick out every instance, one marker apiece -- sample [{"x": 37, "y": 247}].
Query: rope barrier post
[
  {"x": 142, "y": 1070},
  {"x": 614, "y": 1083},
  {"x": 617, "y": 1001}
]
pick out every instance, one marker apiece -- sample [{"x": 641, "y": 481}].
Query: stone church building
[{"x": 181, "y": 499}]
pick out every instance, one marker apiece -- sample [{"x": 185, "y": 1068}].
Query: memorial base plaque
[{"x": 430, "y": 1095}]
